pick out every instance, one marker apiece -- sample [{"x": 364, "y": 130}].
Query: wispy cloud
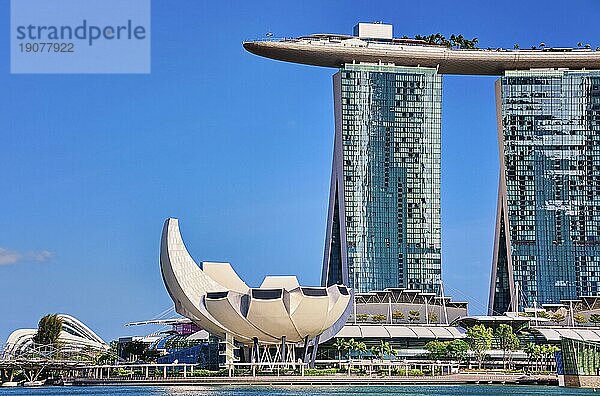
[{"x": 8, "y": 256}]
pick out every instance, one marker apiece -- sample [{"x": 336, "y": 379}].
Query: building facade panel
[{"x": 384, "y": 220}]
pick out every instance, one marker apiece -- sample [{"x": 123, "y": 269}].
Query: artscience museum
[{"x": 280, "y": 313}]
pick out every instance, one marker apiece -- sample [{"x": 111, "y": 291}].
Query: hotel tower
[
  {"x": 383, "y": 227},
  {"x": 547, "y": 244}
]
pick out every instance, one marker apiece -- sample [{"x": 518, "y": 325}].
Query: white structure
[
  {"x": 373, "y": 44},
  {"x": 74, "y": 337},
  {"x": 373, "y": 30},
  {"x": 214, "y": 297}
]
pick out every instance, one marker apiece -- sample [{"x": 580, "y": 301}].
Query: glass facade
[
  {"x": 580, "y": 357},
  {"x": 548, "y": 228},
  {"x": 384, "y": 215}
]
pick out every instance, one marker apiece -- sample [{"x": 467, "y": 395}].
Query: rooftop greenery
[{"x": 455, "y": 41}]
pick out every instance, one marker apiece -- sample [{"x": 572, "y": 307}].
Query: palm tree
[
  {"x": 351, "y": 345},
  {"x": 384, "y": 348},
  {"x": 341, "y": 345},
  {"x": 360, "y": 348}
]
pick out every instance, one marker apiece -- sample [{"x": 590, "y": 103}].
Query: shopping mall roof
[
  {"x": 401, "y": 331},
  {"x": 556, "y": 333}
]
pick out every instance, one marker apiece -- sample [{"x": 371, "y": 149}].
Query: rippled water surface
[{"x": 471, "y": 390}]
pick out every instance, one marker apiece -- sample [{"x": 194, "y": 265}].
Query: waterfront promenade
[{"x": 340, "y": 380}]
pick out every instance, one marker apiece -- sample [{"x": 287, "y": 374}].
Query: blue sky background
[{"x": 238, "y": 147}]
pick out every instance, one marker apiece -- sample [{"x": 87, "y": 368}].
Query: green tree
[
  {"x": 531, "y": 350},
  {"x": 457, "y": 350},
  {"x": 134, "y": 350},
  {"x": 351, "y": 345},
  {"x": 540, "y": 355},
  {"x": 437, "y": 349},
  {"x": 361, "y": 348},
  {"x": 355, "y": 346},
  {"x": 341, "y": 345},
  {"x": 508, "y": 341},
  {"x": 479, "y": 338},
  {"x": 547, "y": 352},
  {"x": 108, "y": 357},
  {"x": 383, "y": 349},
  {"x": 397, "y": 315},
  {"x": 414, "y": 316},
  {"x": 513, "y": 345},
  {"x": 49, "y": 329},
  {"x": 104, "y": 358},
  {"x": 379, "y": 318},
  {"x": 579, "y": 319}
]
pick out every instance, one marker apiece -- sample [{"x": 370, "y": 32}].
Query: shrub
[
  {"x": 414, "y": 316},
  {"x": 362, "y": 317},
  {"x": 122, "y": 372},
  {"x": 411, "y": 372},
  {"x": 595, "y": 318},
  {"x": 397, "y": 315},
  {"x": 210, "y": 373},
  {"x": 317, "y": 372},
  {"x": 379, "y": 318},
  {"x": 579, "y": 319}
]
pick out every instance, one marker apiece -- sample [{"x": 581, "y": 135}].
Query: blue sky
[{"x": 238, "y": 147}]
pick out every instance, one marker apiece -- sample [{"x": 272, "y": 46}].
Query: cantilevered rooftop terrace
[{"x": 335, "y": 50}]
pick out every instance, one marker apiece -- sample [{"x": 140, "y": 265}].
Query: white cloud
[
  {"x": 41, "y": 256},
  {"x": 8, "y": 256}
]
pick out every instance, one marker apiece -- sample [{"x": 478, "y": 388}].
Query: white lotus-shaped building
[{"x": 214, "y": 297}]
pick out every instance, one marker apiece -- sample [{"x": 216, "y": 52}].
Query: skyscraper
[
  {"x": 384, "y": 211},
  {"x": 547, "y": 244},
  {"x": 383, "y": 226}
]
